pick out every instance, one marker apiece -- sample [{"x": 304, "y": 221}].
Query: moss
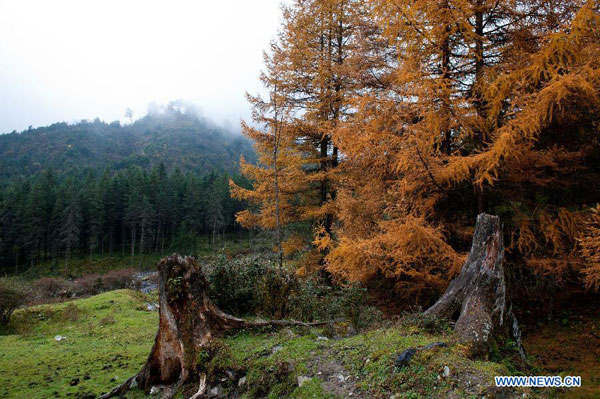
[{"x": 311, "y": 389}]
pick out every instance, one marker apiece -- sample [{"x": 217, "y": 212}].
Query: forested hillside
[
  {"x": 126, "y": 213},
  {"x": 172, "y": 135},
  {"x": 93, "y": 188}
]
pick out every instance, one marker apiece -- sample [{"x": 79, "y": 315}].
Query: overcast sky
[{"x": 66, "y": 60}]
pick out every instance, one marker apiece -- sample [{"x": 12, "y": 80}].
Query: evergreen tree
[{"x": 71, "y": 221}]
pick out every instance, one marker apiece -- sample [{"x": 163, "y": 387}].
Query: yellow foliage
[{"x": 404, "y": 119}]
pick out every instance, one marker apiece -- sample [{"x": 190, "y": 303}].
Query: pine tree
[
  {"x": 214, "y": 206},
  {"x": 71, "y": 222}
]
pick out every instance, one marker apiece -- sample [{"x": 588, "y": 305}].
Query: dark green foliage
[
  {"x": 171, "y": 135},
  {"x": 250, "y": 285},
  {"x": 133, "y": 212},
  {"x": 12, "y": 295}
]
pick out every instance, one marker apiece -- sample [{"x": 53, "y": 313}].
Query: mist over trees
[{"x": 175, "y": 134}]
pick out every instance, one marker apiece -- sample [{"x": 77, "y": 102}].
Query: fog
[{"x": 66, "y": 60}]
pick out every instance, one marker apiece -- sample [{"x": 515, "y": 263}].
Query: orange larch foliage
[
  {"x": 488, "y": 106},
  {"x": 306, "y": 71},
  {"x": 406, "y": 118}
]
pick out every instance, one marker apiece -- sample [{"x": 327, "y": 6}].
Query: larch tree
[
  {"x": 475, "y": 112},
  {"x": 308, "y": 82}
]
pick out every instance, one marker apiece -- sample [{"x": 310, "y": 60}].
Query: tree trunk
[
  {"x": 188, "y": 321},
  {"x": 476, "y": 299}
]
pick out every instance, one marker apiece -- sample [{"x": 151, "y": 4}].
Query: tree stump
[
  {"x": 188, "y": 320},
  {"x": 476, "y": 299}
]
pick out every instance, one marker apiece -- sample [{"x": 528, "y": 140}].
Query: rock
[
  {"x": 446, "y": 372},
  {"x": 290, "y": 333},
  {"x": 242, "y": 381},
  {"x": 216, "y": 391},
  {"x": 276, "y": 349},
  {"x": 231, "y": 375},
  {"x": 321, "y": 338},
  {"x": 436, "y": 345},
  {"x": 155, "y": 390},
  {"x": 151, "y": 307},
  {"x": 74, "y": 382},
  {"x": 404, "y": 358},
  {"x": 303, "y": 379},
  {"x": 59, "y": 338}
]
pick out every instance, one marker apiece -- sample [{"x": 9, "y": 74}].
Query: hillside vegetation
[
  {"x": 107, "y": 338},
  {"x": 171, "y": 135}
]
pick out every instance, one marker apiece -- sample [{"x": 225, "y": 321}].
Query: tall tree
[
  {"x": 307, "y": 79},
  {"x": 71, "y": 220},
  {"x": 476, "y": 112}
]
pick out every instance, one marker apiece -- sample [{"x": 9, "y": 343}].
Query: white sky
[{"x": 66, "y": 60}]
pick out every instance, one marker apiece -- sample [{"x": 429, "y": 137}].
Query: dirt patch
[
  {"x": 569, "y": 346},
  {"x": 336, "y": 379}
]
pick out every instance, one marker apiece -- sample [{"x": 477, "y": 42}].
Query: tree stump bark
[
  {"x": 188, "y": 320},
  {"x": 476, "y": 299}
]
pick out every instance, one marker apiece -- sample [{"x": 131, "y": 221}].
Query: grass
[
  {"x": 569, "y": 346},
  {"x": 97, "y": 264},
  {"x": 109, "y": 336}
]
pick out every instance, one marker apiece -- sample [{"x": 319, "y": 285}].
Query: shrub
[
  {"x": 315, "y": 300},
  {"x": 90, "y": 284},
  {"x": 119, "y": 279},
  {"x": 48, "y": 288},
  {"x": 256, "y": 285},
  {"x": 13, "y": 294},
  {"x": 234, "y": 284}
]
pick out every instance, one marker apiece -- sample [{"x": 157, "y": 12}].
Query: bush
[
  {"x": 13, "y": 294},
  {"x": 48, "y": 288},
  {"x": 119, "y": 279},
  {"x": 234, "y": 284},
  {"x": 90, "y": 284},
  {"x": 256, "y": 285}
]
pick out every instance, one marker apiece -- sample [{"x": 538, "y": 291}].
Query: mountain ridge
[{"x": 176, "y": 138}]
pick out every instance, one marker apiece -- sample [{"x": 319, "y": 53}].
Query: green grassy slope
[{"x": 108, "y": 337}]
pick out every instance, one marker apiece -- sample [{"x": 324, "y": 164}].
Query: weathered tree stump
[
  {"x": 476, "y": 299},
  {"x": 188, "y": 321}
]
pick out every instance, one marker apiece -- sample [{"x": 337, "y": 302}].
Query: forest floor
[
  {"x": 234, "y": 244},
  {"x": 81, "y": 348},
  {"x": 569, "y": 346}
]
